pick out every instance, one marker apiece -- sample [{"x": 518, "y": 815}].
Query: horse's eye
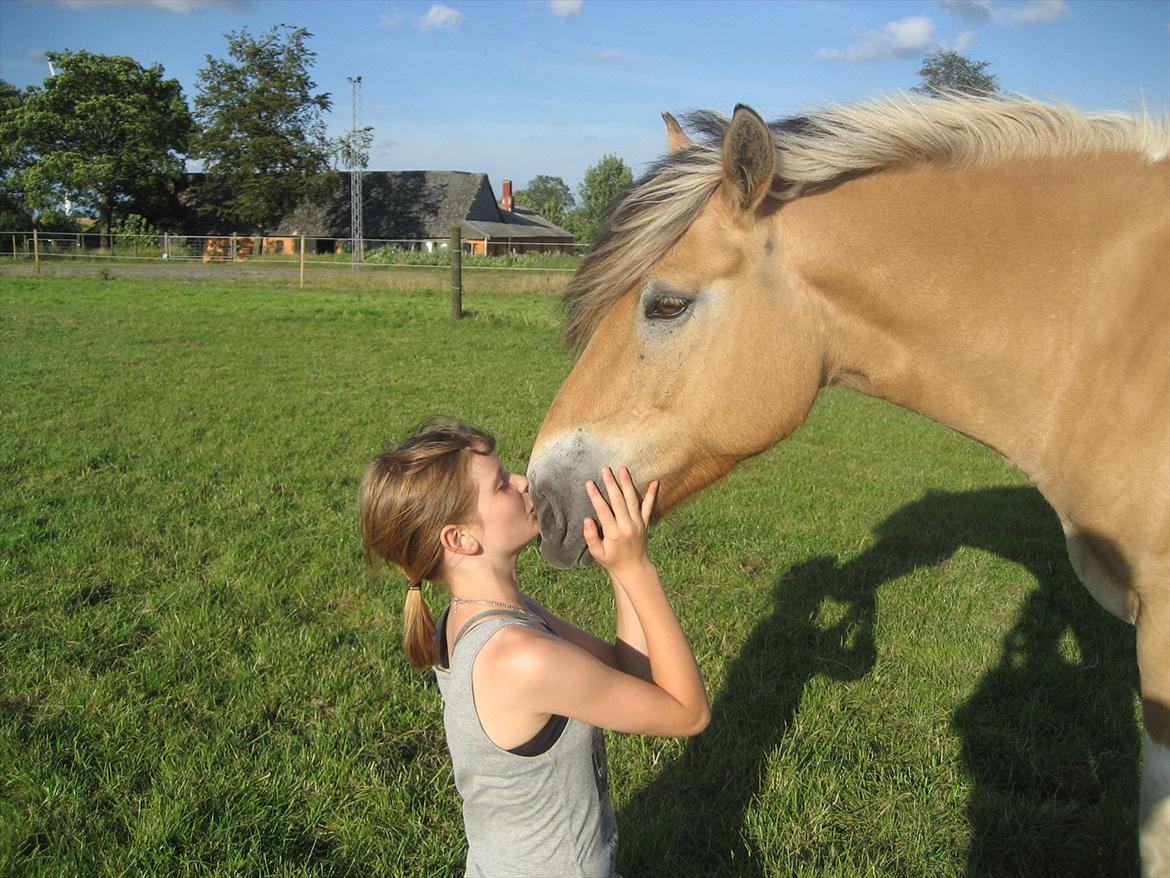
[{"x": 667, "y": 307}]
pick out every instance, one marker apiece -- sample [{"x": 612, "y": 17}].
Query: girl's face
[{"x": 506, "y": 516}]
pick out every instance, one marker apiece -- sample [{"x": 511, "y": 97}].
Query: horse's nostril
[
  {"x": 551, "y": 521},
  {"x": 556, "y": 485},
  {"x": 559, "y": 526}
]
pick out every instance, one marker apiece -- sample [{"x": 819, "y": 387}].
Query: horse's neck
[{"x": 969, "y": 296}]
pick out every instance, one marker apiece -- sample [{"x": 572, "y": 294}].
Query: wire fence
[{"x": 393, "y": 263}]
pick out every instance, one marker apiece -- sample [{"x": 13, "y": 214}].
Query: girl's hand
[{"x": 620, "y": 545}]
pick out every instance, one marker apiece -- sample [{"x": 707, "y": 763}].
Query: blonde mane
[{"x": 826, "y": 146}]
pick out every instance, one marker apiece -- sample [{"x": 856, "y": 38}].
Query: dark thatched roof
[{"x": 409, "y": 205}]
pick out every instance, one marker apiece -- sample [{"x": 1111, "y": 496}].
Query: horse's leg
[
  {"x": 1118, "y": 588},
  {"x": 1153, "y": 642},
  {"x": 1102, "y": 570}
]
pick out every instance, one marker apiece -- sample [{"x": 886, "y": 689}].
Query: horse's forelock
[{"x": 644, "y": 222}]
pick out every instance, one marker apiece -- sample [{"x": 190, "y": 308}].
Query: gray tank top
[{"x": 542, "y": 815}]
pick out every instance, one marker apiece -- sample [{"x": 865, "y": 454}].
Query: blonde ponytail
[
  {"x": 418, "y": 630},
  {"x": 405, "y": 499}
]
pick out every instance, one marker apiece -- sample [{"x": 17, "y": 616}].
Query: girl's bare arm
[
  {"x": 628, "y": 651},
  {"x": 555, "y": 676}
]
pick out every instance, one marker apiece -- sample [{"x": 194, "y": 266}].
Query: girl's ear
[{"x": 458, "y": 541}]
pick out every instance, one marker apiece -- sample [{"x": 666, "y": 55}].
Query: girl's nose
[{"x": 521, "y": 482}]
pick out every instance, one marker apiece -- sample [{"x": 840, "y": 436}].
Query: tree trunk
[{"x": 107, "y": 224}]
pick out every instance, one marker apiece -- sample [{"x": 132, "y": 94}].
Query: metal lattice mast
[{"x": 356, "y": 163}]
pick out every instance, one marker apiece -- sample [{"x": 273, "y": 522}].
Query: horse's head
[{"x": 698, "y": 349}]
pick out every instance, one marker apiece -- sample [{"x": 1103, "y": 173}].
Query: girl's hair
[{"x": 406, "y": 497}]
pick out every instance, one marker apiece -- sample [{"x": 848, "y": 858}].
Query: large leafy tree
[
  {"x": 548, "y": 196},
  {"x": 603, "y": 183},
  {"x": 103, "y": 133},
  {"x": 945, "y": 71},
  {"x": 14, "y": 215},
  {"x": 262, "y": 137}
]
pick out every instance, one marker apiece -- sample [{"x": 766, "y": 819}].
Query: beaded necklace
[{"x": 457, "y": 602}]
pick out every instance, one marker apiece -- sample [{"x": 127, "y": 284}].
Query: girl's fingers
[
  {"x": 619, "y": 499},
  {"x": 629, "y": 493},
  {"x": 604, "y": 514},
  {"x": 614, "y": 492},
  {"x": 589, "y": 531},
  {"x": 648, "y": 502}
]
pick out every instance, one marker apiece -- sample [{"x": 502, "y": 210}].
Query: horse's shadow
[{"x": 1049, "y": 744}]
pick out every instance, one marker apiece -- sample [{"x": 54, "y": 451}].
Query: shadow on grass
[{"x": 1049, "y": 745}]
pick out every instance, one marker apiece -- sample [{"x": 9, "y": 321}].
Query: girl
[{"x": 526, "y": 694}]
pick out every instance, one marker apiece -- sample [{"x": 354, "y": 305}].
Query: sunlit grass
[{"x": 199, "y": 677}]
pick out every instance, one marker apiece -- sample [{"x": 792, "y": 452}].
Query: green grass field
[{"x": 198, "y": 677}]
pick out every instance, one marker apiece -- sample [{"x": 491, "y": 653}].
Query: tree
[
  {"x": 14, "y": 216},
  {"x": 353, "y": 148},
  {"x": 101, "y": 133},
  {"x": 945, "y": 72},
  {"x": 603, "y": 183},
  {"x": 262, "y": 137},
  {"x": 548, "y": 196}
]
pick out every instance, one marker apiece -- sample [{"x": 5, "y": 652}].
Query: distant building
[{"x": 416, "y": 209}]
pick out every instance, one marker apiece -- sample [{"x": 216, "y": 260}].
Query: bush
[
  {"x": 135, "y": 233},
  {"x": 57, "y": 221},
  {"x": 391, "y": 255},
  {"x": 399, "y": 256}
]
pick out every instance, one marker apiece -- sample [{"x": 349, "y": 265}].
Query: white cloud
[
  {"x": 903, "y": 38},
  {"x": 565, "y": 8},
  {"x": 440, "y": 16},
  {"x": 963, "y": 41},
  {"x": 392, "y": 20},
  {"x": 1032, "y": 12}
]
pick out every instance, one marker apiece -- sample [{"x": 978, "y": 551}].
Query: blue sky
[{"x": 517, "y": 88}]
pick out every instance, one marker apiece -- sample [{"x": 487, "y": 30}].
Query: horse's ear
[
  {"x": 749, "y": 159},
  {"x": 676, "y": 138}
]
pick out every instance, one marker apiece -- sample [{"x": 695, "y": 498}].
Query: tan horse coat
[{"x": 1020, "y": 297}]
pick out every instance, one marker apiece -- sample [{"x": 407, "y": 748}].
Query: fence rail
[{"x": 252, "y": 255}]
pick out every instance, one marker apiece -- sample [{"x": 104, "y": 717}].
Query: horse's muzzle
[
  {"x": 556, "y": 482},
  {"x": 559, "y": 545}
]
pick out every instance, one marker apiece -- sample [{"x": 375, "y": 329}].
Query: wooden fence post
[
  {"x": 302, "y": 262},
  {"x": 36, "y": 251},
  {"x": 456, "y": 274}
]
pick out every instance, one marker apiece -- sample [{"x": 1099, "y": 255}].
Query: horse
[{"x": 999, "y": 265}]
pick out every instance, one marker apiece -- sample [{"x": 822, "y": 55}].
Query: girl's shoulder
[{"x": 516, "y": 646}]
